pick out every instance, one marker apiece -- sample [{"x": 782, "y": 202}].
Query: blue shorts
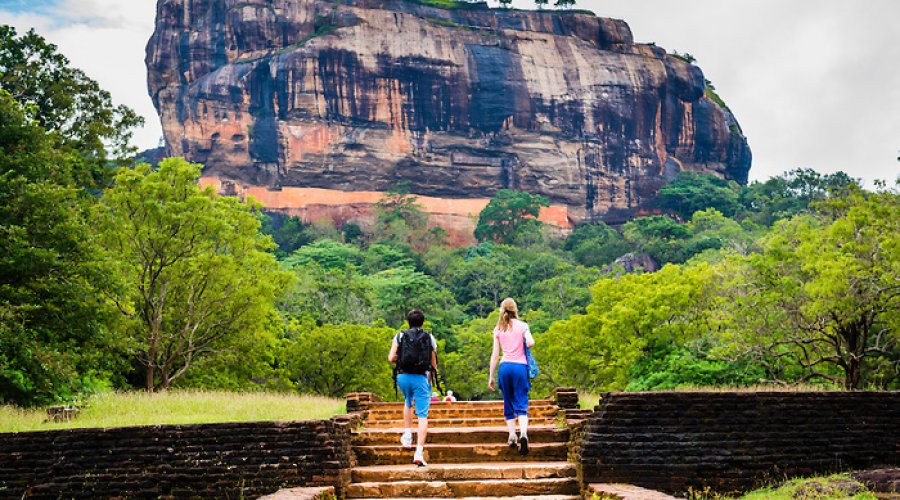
[
  {"x": 415, "y": 388},
  {"x": 514, "y": 384}
]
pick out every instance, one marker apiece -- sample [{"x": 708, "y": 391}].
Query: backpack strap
[
  {"x": 437, "y": 376},
  {"x": 396, "y": 368}
]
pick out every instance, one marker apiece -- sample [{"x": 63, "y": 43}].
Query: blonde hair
[{"x": 508, "y": 311}]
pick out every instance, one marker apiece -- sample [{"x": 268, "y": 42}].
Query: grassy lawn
[
  {"x": 588, "y": 400},
  {"x": 123, "y": 409},
  {"x": 824, "y": 488}
]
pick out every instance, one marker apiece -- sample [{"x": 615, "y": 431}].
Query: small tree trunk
[
  {"x": 855, "y": 340},
  {"x": 852, "y": 374},
  {"x": 151, "y": 376}
]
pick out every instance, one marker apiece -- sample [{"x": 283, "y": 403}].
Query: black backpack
[{"x": 414, "y": 351}]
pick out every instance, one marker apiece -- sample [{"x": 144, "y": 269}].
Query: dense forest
[{"x": 116, "y": 274}]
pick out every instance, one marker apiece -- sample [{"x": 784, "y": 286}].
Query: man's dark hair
[{"x": 415, "y": 318}]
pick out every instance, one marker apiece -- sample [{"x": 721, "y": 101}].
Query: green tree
[
  {"x": 79, "y": 114},
  {"x": 656, "y": 227},
  {"x": 668, "y": 365},
  {"x": 509, "y": 215},
  {"x": 564, "y": 295},
  {"x": 823, "y": 293},
  {"x": 627, "y": 317},
  {"x": 400, "y": 219},
  {"x": 529, "y": 266},
  {"x": 789, "y": 194},
  {"x": 541, "y": 4},
  {"x": 400, "y": 289},
  {"x": 289, "y": 233},
  {"x": 382, "y": 256},
  {"x": 691, "y": 191},
  {"x": 480, "y": 283},
  {"x": 713, "y": 235},
  {"x": 596, "y": 245},
  {"x": 661, "y": 237},
  {"x": 335, "y": 296},
  {"x": 242, "y": 362},
  {"x": 326, "y": 253},
  {"x": 466, "y": 369},
  {"x": 564, "y": 4},
  {"x": 56, "y": 334},
  {"x": 352, "y": 232},
  {"x": 334, "y": 360},
  {"x": 197, "y": 269}
]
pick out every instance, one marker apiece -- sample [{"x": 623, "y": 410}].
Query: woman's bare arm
[{"x": 495, "y": 357}]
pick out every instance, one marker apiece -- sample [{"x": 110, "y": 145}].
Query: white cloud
[
  {"x": 813, "y": 83},
  {"x": 106, "y": 39}
]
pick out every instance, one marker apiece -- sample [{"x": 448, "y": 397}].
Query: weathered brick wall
[
  {"x": 234, "y": 460},
  {"x": 736, "y": 441}
]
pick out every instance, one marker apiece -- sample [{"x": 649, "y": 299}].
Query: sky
[{"x": 813, "y": 83}]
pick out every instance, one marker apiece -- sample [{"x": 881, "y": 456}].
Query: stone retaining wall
[
  {"x": 233, "y": 460},
  {"x": 736, "y": 441}
]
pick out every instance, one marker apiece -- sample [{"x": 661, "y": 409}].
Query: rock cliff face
[{"x": 305, "y": 99}]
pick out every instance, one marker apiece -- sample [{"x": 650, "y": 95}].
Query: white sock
[
  {"x": 511, "y": 426},
  {"x": 523, "y": 425},
  {"x": 419, "y": 449}
]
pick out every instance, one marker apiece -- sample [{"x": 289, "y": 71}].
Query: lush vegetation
[
  {"x": 117, "y": 409},
  {"x": 835, "y": 487},
  {"x": 120, "y": 276}
]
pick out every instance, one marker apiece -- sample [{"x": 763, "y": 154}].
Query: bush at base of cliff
[
  {"x": 509, "y": 217},
  {"x": 691, "y": 192}
]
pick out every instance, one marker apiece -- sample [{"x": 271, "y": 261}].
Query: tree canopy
[
  {"x": 195, "y": 267},
  {"x": 67, "y": 103},
  {"x": 55, "y": 336}
]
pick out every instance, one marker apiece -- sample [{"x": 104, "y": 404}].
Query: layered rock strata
[{"x": 319, "y": 99}]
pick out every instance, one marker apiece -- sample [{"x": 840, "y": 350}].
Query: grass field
[
  {"x": 839, "y": 486},
  {"x": 123, "y": 409}
]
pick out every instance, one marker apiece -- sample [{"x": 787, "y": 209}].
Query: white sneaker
[
  {"x": 406, "y": 438},
  {"x": 419, "y": 459},
  {"x": 513, "y": 441}
]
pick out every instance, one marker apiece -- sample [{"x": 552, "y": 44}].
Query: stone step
[
  {"x": 518, "y": 497},
  {"x": 625, "y": 492},
  {"x": 456, "y": 412},
  {"x": 460, "y": 472},
  {"x": 462, "y": 404},
  {"x": 460, "y": 453},
  {"x": 455, "y": 489},
  {"x": 460, "y": 435},
  {"x": 458, "y": 422}
]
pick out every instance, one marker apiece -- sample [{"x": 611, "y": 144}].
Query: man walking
[{"x": 414, "y": 350}]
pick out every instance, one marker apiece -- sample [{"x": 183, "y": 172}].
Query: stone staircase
[{"x": 466, "y": 452}]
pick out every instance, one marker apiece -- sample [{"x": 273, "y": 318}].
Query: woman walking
[{"x": 511, "y": 335}]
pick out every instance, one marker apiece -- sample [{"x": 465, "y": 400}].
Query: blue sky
[
  {"x": 27, "y": 5},
  {"x": 813, "y": 83}
]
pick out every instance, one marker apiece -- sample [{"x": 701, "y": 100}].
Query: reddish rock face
[{"x": 357, "y": 95}]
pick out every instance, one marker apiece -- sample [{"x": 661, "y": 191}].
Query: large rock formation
[{"x": 316, "y": 106}]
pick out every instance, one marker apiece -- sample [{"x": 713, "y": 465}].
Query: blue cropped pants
[{"x": 514, "y": 385}]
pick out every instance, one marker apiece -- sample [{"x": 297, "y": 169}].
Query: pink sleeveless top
[{"x": 512, "y": 340}]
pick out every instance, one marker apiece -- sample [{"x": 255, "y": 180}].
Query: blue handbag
[{"x": 533, "y": 369}]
